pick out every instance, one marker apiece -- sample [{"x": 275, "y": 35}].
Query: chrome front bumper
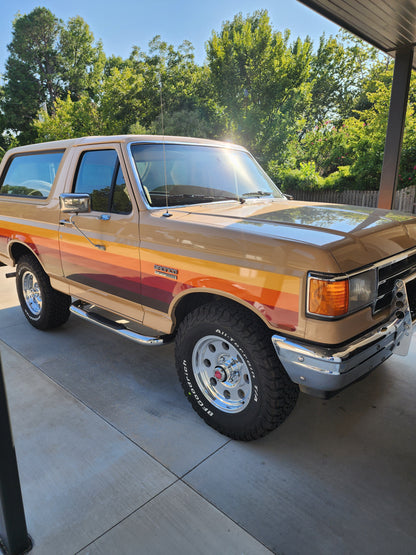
[{"x": 320, "y": 369}]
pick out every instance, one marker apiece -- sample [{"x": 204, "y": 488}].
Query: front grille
[{"x": 387, "y": 276}]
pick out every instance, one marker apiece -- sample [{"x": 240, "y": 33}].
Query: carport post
[
  {"x": 395, "y": 127},
  {"x": 13, "y": 532}
]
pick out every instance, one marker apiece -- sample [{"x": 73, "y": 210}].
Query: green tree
[
  {"x": 350, "y": 154},
  {"x": 171, "y": 77},
  {"x": 116, "y": 62},
  {"x": 83, "y": 61},
  {"x": 261, "y": 80},
  {"x": 47, "y": 59},
  {"x": 340, "y": 69},
  {"x": 368, "y": 144},
  {"x": 69, "y": 119},
  {"x": 129, "y": 97},
  {"x": 32, "y": 76},
  {"x": 342, "y": 126},
  {"x": 121, "y": 101}
]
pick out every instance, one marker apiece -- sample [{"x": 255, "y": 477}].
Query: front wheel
[
  {"x": 230, "y": 372},
  {"x": 43, "y": 306}
]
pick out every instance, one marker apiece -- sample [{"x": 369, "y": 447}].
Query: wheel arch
[
  {"x": 18, "y": 249},
  {"x": 195, "y": 298}
]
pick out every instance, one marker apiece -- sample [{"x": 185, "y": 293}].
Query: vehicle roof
[{"x": 81, "y": 141}]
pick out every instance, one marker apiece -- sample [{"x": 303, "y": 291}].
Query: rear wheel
[
  {"x": 230, "y": 372},
  {"x": 43, "y": 306}
]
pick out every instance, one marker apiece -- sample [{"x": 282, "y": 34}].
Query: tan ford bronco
[{"x": 162, "y": 238}]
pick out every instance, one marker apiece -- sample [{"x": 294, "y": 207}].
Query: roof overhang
[{"x": 388, "y": 25}]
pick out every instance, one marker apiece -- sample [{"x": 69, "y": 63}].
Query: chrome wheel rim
[
  {"x": 221, "y": 374},
  {"x": 31, "y": 293}
]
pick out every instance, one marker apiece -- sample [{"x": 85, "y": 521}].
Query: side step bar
[{"x": 77, "y": 309}]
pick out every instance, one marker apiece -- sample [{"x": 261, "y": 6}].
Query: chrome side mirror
[{"x": 75, "y": 203}]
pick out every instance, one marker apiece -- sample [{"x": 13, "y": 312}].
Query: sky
[{"x": 122, "y": 25}]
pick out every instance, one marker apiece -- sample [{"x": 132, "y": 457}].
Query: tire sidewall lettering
[
  {"x": 192, "y": 391},
  {"x": 30, "y": 315},
  {"x": 242, "y": 351}
]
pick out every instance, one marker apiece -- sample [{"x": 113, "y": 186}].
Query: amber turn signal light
[{"x": 328, "y": 298}]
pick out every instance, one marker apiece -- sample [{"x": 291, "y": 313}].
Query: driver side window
[{"x": 99, "y": 174}]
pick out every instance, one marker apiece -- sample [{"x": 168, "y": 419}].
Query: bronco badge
[{"x": 171, "y": 273}]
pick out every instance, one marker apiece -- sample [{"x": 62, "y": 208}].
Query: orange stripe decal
[
  {"x": 274, "y": 295},
  {"x": 163, "y": 275}
]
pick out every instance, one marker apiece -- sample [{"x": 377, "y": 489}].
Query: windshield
[{"x": 191, "y": 174}]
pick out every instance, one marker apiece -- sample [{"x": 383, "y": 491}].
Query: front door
[{"x": 102, "y": 263}]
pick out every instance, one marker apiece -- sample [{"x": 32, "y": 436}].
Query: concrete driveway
[{"x": 113, "y": 460}]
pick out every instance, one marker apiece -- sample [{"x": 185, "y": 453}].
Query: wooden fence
[{"x": 404, "y": 199}]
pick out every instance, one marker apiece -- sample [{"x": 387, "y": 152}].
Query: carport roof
[{"x": 390, "y": 25}]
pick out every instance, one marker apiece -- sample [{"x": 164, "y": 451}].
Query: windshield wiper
[
  {"x": 254, "y": 194},
  {"x": 195, "y": 198},
  {"x": 224, "y": 197}
]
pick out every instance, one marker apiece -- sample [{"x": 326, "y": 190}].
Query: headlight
[
  {"x": 338, "y": 296},
  {"x": 363, "y": 290}
]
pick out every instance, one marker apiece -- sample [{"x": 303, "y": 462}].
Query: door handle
[{"x": 72, "y": 223}]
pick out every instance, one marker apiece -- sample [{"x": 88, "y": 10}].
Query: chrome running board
[{"x": 77, "y": 309}]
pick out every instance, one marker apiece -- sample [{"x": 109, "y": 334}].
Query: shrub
[{"x": 289, "y": 179}]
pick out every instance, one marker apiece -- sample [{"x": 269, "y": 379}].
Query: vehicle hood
[{"x": 355, "y": 236}]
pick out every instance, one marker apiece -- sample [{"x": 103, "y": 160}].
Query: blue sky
[{"x": 120, "y": 25}]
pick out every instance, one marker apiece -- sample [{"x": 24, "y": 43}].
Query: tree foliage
[
  {"x": 315, "y": 116},
  {"x": 47, "y": 60},
  {"x": 70, "y": 119},
  {"x": 82, "y": 60},
  {"x": 32, "y": 76},
  {"x": 261, "y": 80}
]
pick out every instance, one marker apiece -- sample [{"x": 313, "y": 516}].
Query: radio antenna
[{"x": 167, "y": 214}]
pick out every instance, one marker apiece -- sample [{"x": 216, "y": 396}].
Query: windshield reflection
[{"x": 191, "y": 174}]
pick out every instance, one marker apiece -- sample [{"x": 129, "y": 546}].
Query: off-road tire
[
  {"x": 250, "y": 393},
  {"x": 43, "y": 306}
]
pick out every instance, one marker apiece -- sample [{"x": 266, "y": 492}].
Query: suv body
[{"x": 161, "y": 238}]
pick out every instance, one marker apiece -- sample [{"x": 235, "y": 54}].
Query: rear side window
[
  {"x": 99, "y": 174},
  {"x": 31, "y": 175}
]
